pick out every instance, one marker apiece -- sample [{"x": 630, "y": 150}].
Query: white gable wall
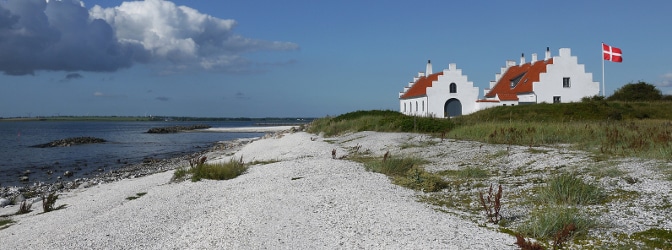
[
  {"x": 439, "y": 93},
  {"x": 551, "y": 83}
]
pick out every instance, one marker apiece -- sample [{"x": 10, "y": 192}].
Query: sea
[{"x": 127, "y": 142}]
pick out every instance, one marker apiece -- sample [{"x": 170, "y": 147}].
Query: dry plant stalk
[
  {"x": 387, "y": 155},
  {"x": 333, "y": 154},
  {"x": 198, "y": 160},
  {"x": 563, "y": 235},
  {"x": 24, "y": 208},
  {"x": 492, "y": 204},
  {"x": 526, "y": 244}
]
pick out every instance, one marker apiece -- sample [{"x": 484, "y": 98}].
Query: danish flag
[{"x": 611, "y": 53}]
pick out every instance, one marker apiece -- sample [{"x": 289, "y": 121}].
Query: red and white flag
[{"x": 611, "y": 53}]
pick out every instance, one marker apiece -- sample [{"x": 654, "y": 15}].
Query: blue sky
[{"x": 296, "y": 58}]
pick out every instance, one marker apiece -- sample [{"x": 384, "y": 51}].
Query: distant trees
[{"x": 637, "y": 92}]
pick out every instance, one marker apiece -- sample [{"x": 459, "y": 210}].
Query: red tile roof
[
  {"x": 528, "y": 74},
  {"x": 419, "y": 88}
]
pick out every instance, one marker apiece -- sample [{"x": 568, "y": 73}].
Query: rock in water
[
  {"x": 69, "y": 142},
  {"x": 175, "y": 129}
]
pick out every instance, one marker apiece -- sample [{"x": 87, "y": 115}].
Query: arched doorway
[{"x": 453, "y": 107}]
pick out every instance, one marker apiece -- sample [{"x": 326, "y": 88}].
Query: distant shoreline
[{"x": 268, "y": 120}]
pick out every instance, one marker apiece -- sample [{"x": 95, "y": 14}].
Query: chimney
[
  {"x": 548, "y": 54},
  {"x": 534, "y": 58},
  {"x": 522, "y": 58},
  {"x": 428, "y": 71}
]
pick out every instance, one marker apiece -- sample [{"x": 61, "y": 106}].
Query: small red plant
[
  {"x": 526, "y": 244},
  {"x": 492, "y": 204}
]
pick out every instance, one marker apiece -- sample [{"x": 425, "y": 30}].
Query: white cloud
[
  {"x": 64, "y": 36},
  {"x": 182, "y": 35},
  {"x": 666, "y": 80}
]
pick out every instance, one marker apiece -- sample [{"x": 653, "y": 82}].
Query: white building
[{"x": 449, "y": 93}]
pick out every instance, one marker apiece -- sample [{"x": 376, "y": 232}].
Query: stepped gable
[
  {"x": 523, "y": 76},
  {"x": 420, "y": 86}
]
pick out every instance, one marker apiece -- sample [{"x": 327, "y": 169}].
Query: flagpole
[{"x": 604, "y": 92}]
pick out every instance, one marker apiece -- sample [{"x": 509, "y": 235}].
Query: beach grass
[
  {"x": 545, "y": 222},
  {"x": 568, "y": 189},
  {"x": 213, "y": 171}
]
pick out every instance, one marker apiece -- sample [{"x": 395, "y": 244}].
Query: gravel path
[{"x": 304, "y": 199}]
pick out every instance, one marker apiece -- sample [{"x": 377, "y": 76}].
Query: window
[
  {"x": 404, "y": 107},
  {"x": 516, "y": 80},
  {"x": 453, "y": 88},
  {"x": 556, "y": 99},
  {"x": 416, "y": 106},
  {"x": 565, "y": 82},
  {"x": 423, "y": 106}
]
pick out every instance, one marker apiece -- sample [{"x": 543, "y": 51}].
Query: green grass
[
  {"x": 378, "y": 120},
  {"x": 212, "y": 171},
  {"x": 567, "y": 189},
  {"x": 393, "y": 166},
  {"x": 545, "y": 222},
  {"x": 404, "y": 171},
  {"x": 611, "y": 128},
  {"x": 5, "y": 223}
]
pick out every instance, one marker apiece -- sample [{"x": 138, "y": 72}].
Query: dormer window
[{"x": 516, "y": 80}]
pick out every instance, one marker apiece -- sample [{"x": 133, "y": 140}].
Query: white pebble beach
[{"x": 300, "y": 198}]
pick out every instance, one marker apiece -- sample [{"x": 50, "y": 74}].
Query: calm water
[{"x": 127, "y": 142}]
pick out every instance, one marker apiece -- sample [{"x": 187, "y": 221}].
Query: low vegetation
[
  {"x": 137, "y": 195},
  {"x": 198, "y": 169},
  {"x": 404, "y": 171},
  {"x": 25, "y": 207},
  {"x": 378, "y": 120},
  {"x": 5, "y": 223},
  {"x": 562, "y": 202},
  {"x": 49, "y": 202}
]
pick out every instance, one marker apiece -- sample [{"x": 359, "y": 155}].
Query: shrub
[{"x": 640, "y": 91}]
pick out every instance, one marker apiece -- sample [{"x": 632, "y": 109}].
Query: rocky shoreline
[{"x": 16, "y": 194}]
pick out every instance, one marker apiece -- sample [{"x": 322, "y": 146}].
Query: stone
[
  {"x": 24, "y": 178},
  {"x": 4, "y": 202},
  {"x": 67, "y": 174},
  {"x": 19, "y": 198}
]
